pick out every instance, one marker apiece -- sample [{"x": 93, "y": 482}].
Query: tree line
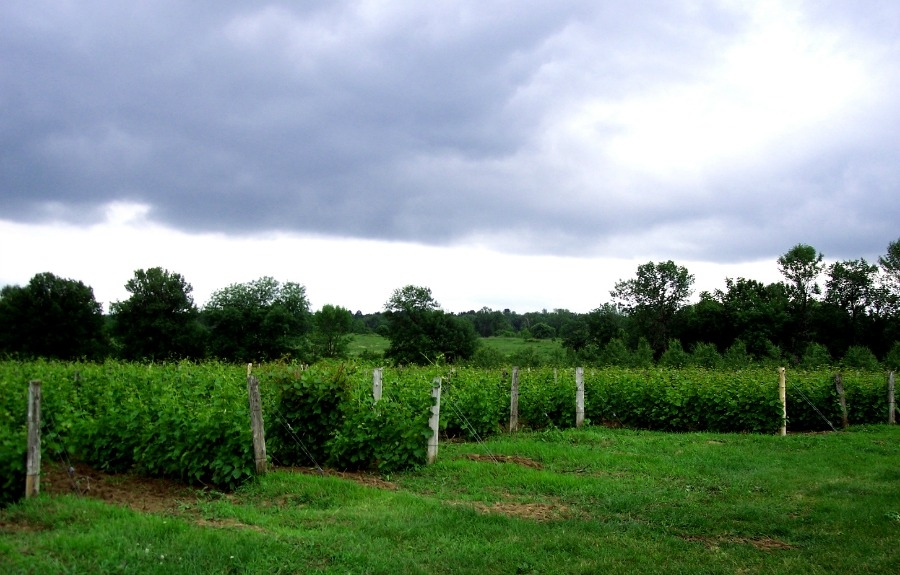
[{"x": 649, "y": 318}]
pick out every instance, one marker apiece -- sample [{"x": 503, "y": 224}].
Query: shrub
[
  {"x": 309, "y": 413},
  {"x": 816, "y": 356},
  {"x": 706, "y": 355},
  {"x": 860, "y": 357}
]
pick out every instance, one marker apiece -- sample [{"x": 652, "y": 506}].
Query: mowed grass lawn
[{"x": 577, "y": 501}]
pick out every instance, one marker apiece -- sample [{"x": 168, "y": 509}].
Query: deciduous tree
[
  {"x": 420, "y": 332},
  {"x": 159, "y": 320},
  {"x": 331, "y": 336},
  {"x": 258, "y": 321},
  {"x": 801, "y": 266},
  {"x": 51, "y": 317},
  {"x": 653, "y": 297}
]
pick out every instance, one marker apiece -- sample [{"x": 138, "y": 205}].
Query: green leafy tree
[
  {"x": 576, "y": 335},
  {"x": 51, "y": 317},
  {"x": 853, "y": 296},
  {"x": 331, "y": 336},
  {"x": 420, "y": 332},
  {"x": 411, "y": 298},
  {"x": 801, "y": 266},
  {"x": 542, "y": 330},
  {"x": 587, "y": 334},
  {"x": 755, "y": 313},
  {"x": 489, "y": 322},
  {"x": 851, "y": 286},
  {"x": 261, "y": 320},
  {"x": 890, "y": 268},
  {"x": 159, "y": 320},
  {"x": 653, "y": 297}
]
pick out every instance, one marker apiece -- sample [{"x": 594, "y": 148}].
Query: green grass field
[
  {"x": 508, "y": 346},
  {"x": 367, "y": 343},
  {"x": 579, "y": 501}
]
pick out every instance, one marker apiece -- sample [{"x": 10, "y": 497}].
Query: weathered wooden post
[
  {"x": 376, "y": 383},
  {"x": 256, "y": 422},
  {"x": 839, "y": 388},
  {"x": 435, "y": 419},
  {"x": 892, "y": 407},
  {"x": 579, "y": 396},
  {"x": 782, "y": 395},
  {"x": 514, "y": 401},
  {"x": 33, "y": 459}
]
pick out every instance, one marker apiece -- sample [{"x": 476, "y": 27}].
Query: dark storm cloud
[{"x": 433, "y": 122}]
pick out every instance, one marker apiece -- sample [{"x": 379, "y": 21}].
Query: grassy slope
[{"x": 587, "y": 501}]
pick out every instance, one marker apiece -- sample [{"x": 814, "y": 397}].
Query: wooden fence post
[
  {"x": 33, "y": 459},
  {"x": 579, "y": 396},
  {"x": 376, "y": 383},
  {"x": 256, "y": 422},
  {"x": 839, "y": 388},
  {"x": 435, "y": 419},
  {"x": 892, "y": 407},
  {"x": 782, "y": 395},
  {"x": 514, "y": 401}
]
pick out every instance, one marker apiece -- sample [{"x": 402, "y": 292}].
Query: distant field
[
  {"x": 508, "y": 346},
  {"x": 372, "y": 343}
]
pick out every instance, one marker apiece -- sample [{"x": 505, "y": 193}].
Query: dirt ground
[
  {"x": 139, "y": 493},
  {"x": 154, "y": 495}
]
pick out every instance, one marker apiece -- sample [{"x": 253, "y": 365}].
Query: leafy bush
[
  {"x": 13, "y": 447},
  {"x": 308, "y": 412},
  {"x": 707, "y": 356},
  {"x": 384, "y": 435},
  {"x": 674, "y": 356},
  {"x": 816, "y": 356},
  {"x": 860, "y": 357}
]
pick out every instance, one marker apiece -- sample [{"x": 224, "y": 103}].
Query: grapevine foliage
[{"x": 191, "y": 421}]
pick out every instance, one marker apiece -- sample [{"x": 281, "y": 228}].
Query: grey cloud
[{"x": 427, "y": 122}]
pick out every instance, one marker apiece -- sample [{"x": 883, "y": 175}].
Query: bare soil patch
[
  {"x": 761, "y": 543},
  {"x": 361, "y": 477},
  {"x": 523, "y": 461},
  {"x": 144, "y": 494},
  {"x": 530, "y": 511}
]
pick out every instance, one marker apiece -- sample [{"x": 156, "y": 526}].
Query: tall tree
[
  {"x": 801, "y": 266},
  {"x": 159, "y": 320},
  {"x": 890, "y": 268},
  {"x": 756, "y": 313},
  {"x": 333, "y": 325},
  {"x": 411, "y": 298},
  {"x": 51, "y": 317},
  {"x": 258, "y": 320},
  {"x": 653, "y": 297},
  {"x": 851, "y": 287},
  {"x": 420, "y": 332}
]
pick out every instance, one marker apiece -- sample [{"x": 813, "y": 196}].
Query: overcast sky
[{"x": 506, "y": 154}]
